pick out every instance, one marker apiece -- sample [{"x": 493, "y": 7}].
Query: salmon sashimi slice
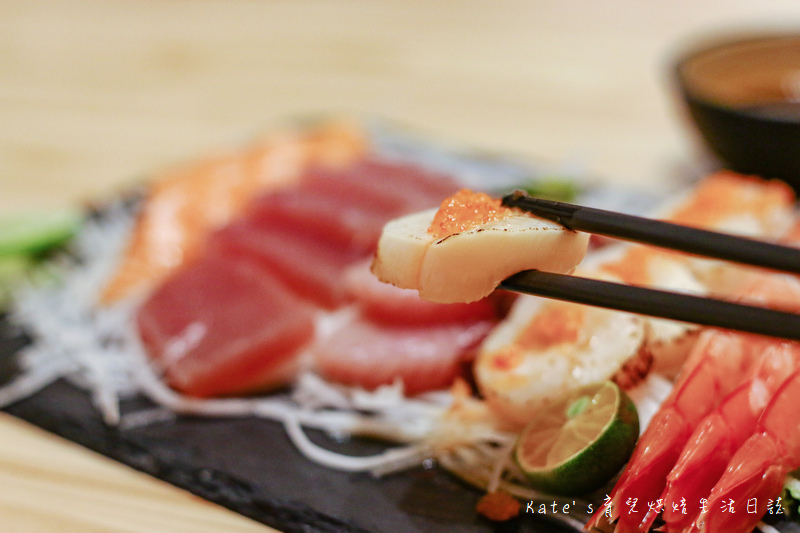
[
  {"x": 309, "y": 266},
  {"x": 368, "y": 354},
  {"x": 186, "y": 203},
  {"x": 225, "y": 327}
]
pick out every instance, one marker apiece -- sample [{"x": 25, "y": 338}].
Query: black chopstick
[
  {"x": 662, "y": 234},
  {"x": 656, "y": 303}
]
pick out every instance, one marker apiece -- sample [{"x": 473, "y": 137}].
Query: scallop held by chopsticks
[{"x": 462, "y": 251}]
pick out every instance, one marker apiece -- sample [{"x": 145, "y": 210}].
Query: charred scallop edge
[{"x": 478, "y": 230}]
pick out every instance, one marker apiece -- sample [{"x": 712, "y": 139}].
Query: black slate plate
[{"x": 250, "y": 467}]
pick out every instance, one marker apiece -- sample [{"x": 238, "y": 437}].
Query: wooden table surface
[{"x": 96, "y": 94}]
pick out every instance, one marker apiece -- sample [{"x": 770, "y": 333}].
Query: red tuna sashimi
[
  {"x": 386, "y": 303},
  {"x": 367, "y": 354},
  {"x": 352, "y": 227},
  {"x": 391, "y": 188},
  {"x": 411, "y": 177},
  {"x": 224, "y": 327},
  {"x": 350, "y": 206},
  {"x": 309, "y": 266}
]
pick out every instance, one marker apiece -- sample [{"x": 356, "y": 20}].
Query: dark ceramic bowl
[{"x": 744, "y": 98}]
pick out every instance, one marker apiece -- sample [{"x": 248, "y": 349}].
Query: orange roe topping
[
  {"x": 556, "y": 324},
  {"x": 498, "y": 506},
  {"x": 464, "y": 211}
]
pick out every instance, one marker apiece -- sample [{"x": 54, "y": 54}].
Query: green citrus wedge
[{"x": 580, "y": 442}]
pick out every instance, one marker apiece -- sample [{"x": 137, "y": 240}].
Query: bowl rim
[{"x": 716, "y": 42}]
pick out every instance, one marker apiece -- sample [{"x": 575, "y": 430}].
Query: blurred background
[{"x": 96, "y": 94}]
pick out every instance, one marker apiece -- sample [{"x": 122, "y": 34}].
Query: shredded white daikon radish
[{"x": 72, "y": 338}]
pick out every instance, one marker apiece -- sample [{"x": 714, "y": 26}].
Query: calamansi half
[{"x": 580, "y": 442}]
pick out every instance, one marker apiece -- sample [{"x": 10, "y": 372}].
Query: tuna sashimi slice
[
  {"x": 224, "y": 327},
  {"x": 309, "y": 266},
  {"x": 391, "y": 187},
  {"x": 367, "y": 354},
  {"x": 352, "y": 227},
  {"x": 349, "y": 207}
]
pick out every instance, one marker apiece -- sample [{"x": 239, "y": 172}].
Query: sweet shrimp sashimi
[
  {"x": 720, "y": 434},
  {"x": 755, "y": 475},
  {"x": 720, "y": 362},
  {"x": 724, "y": 360}
]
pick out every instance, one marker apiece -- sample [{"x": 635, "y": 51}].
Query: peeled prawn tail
[
  {"x": 753, "y": 479},
  {"x": 719, "y": 362},
  {"x": 643, "y": 479},
  {"x": 706, "y": 455},
  {"x": 720, "y": 434},
  {"x": 755, "y": 474}
]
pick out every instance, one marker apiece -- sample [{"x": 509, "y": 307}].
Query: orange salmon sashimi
[
  {"x": 185, "y": 204},
  {"x": 724, "y": 370}
]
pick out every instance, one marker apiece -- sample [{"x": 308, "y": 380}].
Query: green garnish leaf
[
  {"x": 558, "y": 189},
  {"x": 36, "y": 233}
]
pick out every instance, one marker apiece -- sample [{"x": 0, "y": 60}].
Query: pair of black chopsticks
[{"x": 653, "y": 302}]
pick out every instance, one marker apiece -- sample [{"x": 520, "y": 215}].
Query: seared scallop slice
[
  {"x": 546, "y": 348},
  {"x": 462, "y": 251}
]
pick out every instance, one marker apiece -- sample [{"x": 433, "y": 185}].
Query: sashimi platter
[{"x": 310, "y": 330}]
